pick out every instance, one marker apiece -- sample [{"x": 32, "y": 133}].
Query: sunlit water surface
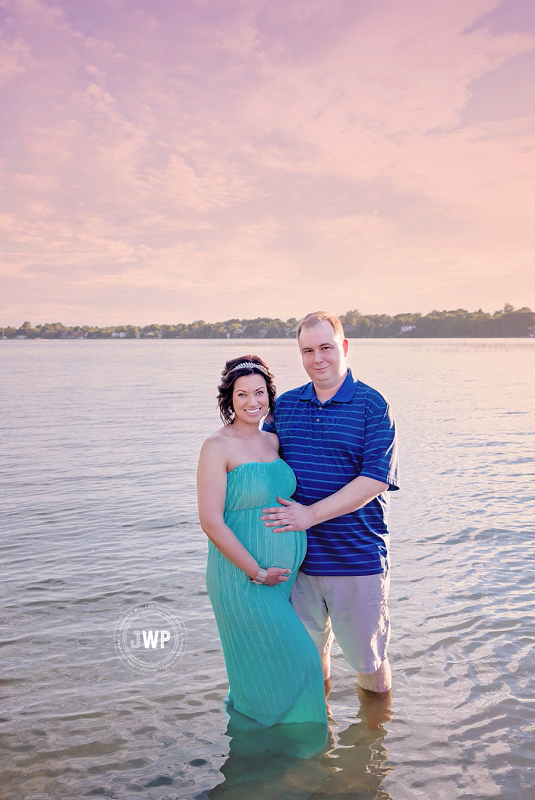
[{"x": 100, "y": 441}]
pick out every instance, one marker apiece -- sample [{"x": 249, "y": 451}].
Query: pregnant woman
[{"x": 273, "y": 667}]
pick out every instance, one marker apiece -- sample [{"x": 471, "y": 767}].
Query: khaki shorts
[{"x": 351, "y": 607}]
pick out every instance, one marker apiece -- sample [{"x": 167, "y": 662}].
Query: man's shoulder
[
  {"x": 369, "y": 395},
  {"x": 291, "y": 397},
  {"x": 287, "y": 407}
]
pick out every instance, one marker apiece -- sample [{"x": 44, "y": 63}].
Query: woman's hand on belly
[{"x": 277, "y": 575}]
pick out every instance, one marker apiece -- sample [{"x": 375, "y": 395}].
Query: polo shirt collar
[{"x": 343, "y": 395}]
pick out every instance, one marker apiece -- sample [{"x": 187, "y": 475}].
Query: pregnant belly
[{"x": 268, "y": 548}]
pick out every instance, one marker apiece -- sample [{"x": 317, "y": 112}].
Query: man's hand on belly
[
  {"x": 288, "y": 517},
  {"x": 295, "y": 517}
]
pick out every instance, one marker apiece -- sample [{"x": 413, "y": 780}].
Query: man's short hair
[{"x": 316, "y": 318}]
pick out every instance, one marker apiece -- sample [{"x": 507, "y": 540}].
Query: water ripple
[{"x": 99, "y": 516}]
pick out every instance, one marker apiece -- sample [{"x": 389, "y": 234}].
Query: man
[{"x": 338, "y": 435}]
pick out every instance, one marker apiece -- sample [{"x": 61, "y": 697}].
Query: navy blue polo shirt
[{"x": 328, "y": 445}]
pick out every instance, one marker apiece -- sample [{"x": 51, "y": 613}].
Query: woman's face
[{"x": 250, "y": 398}]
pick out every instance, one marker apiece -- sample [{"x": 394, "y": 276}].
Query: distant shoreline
[
  {"x": 456, "y": 324},
  {"x": 258, "y": 338}
]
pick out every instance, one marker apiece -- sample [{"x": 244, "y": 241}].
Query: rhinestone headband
[{"x": 248, "y": 365}]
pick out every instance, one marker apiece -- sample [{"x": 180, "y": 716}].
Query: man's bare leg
[
  {"x": 375, "y": 708},
  {"x": 378, "y": 681},
  {"x": 326, "y": 664}
]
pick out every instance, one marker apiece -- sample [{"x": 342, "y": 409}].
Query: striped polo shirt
[{"x": 328, "y": 445}]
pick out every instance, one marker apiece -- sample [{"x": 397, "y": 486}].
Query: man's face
[{"x": 323, "y": 355}]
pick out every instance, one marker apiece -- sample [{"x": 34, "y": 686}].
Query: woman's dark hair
[{"x": 234, "y": 369}]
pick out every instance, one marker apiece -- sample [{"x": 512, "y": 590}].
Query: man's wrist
[{"x": 314, "y": 514}]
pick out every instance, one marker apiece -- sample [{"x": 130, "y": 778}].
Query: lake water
[{"x": 100, "y": 441}]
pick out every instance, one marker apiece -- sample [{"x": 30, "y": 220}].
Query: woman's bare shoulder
[{"x": 215, "y": 446}]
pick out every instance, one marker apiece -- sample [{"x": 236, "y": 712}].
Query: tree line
[{"x": 507, "y": 322}]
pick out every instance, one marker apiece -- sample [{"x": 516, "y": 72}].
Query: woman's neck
[{"x": 245, "y": 430}]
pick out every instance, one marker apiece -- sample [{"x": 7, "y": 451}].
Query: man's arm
[{"x": 292, "y": 516}]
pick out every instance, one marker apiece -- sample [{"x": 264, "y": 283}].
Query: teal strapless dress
[{"x": 273, "y": 667}]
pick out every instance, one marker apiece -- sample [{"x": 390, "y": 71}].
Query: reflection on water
[
  {"x": 272, "y": 763},
  {"x": 98, "y": 516},
  {"x": 296, "y": 761}
]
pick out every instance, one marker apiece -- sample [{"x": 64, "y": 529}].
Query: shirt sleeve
[
  {"x": 380, "y": 459},
  {"x": 270, "y": 426}
]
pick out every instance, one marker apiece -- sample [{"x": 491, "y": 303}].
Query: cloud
[
  {"x": 15, "y": 58},
  {"x": 201, "y": 157}
]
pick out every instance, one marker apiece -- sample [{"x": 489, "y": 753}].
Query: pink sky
[{"x": 206, "y": 159}]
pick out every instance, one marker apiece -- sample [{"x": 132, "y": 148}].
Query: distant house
[
  {"x": 406, "y": 328},
  {"x": 119, "y": 335},
  {"x": 239, "y": 331}
]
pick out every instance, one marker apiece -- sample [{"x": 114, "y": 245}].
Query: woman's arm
[{"x": 211, "y": 490}]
